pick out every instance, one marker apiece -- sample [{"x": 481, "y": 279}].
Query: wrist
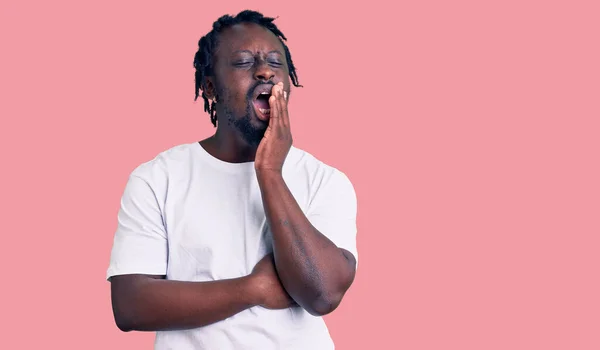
[{"x": 268, "y": 174}]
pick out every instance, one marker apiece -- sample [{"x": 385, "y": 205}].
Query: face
[{"x": 248, "y": 61}]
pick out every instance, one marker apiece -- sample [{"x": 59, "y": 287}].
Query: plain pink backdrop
[{"x": 470, "y": 130}]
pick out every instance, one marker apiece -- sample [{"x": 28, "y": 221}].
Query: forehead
[{"x": 248, "y": 36}]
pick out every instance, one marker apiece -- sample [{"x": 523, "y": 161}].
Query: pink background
[{"x": 469, "y": 129}]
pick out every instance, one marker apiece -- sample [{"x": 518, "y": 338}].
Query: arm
[
  {"x": 142, "y": 299},
  {"x": 151, "y": 303},
  {"x": 314, "y": 271}
]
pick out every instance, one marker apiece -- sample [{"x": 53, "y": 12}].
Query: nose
[{"x": 263, "y": 71}]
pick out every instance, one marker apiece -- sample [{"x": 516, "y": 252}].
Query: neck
[{"x": 228, "y": 146}]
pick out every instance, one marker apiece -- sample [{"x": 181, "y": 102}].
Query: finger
[
  {"x": 275, "y": 117},
  {"x": 273, "y": 102},
  {"x": 283, "y": 108},
  {"x": 275, "y": 114}
]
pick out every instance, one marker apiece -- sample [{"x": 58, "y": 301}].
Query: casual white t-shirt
[{"x": 192, "y": 217}]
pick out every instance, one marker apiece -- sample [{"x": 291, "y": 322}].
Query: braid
[{"x": 203, "y": 59}]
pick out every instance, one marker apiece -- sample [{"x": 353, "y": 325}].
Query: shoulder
[
  {"x": 320, "y": 174},
  {"x": 157, "y": 169}
]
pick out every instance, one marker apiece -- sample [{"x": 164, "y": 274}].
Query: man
[{"x": 239, "y": 241}]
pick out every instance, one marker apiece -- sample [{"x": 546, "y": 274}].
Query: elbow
[
  {"x": 127, "y": 302},
  {"x": 123, "y": 297},
  {"x": 123, "y": 322},
  {"x": 325, "y": 304},
  {"x": 124, "y": 326},
  {"x": 124, "y": 313},
  {"x": 328, "y": 299}
]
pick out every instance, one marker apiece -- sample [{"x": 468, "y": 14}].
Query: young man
[{"x": 241, "y": 240}]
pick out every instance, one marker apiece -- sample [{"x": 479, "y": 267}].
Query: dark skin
[
  {"x": 153, "y": 303},
  {"x": 313, "y": 270},
  {"x": 306, "y": 268}
]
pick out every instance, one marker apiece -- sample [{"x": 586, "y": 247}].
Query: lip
[
  {"x": 262, "y": 88},
  {"x": 262, "y": 116},
  {"x": 268, "y": 88}
]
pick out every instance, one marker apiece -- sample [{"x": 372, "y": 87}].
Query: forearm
[
  {"x": 314, "y": 271},
  {"x": 147, "y": 304}
]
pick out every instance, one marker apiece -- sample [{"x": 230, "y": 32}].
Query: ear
[{"x": 209, "y": 88}]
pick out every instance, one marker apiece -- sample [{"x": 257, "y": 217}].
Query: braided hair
[{"x": 203, "y": 59}]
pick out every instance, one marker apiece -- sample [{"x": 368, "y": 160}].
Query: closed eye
[
  {"x": 248, "y": 64},
  {"x": 243, "y": 64},
  {"x": 275, "y": 63}
]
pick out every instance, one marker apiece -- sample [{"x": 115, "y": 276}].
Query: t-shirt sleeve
[
  {"x": 333, "y": 211},
  {"x": 140, "y": 241}
]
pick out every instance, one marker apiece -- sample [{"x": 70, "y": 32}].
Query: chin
[
  {"x": 258, "y": 123},
  {"x": 251, "y": 128}
]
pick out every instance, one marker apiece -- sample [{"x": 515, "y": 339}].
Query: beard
[{"x": 251, "y": 133}]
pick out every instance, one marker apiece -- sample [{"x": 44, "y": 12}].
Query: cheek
[
  {"x": 231, "y": 95},
  {"x": 237, "y": 99}
]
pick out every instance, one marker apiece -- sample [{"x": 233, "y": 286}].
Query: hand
[
  {"x": 277, "y": 141},
  {"x": 273, "y": 295}
]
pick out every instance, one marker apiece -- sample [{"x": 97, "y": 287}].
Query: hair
[{"x": 204, "y": 57}]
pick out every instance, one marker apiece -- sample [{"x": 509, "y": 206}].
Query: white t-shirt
[{"x": 192, "y": 217}]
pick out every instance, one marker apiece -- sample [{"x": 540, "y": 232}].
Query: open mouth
[{"x": 262, "y": 104}]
